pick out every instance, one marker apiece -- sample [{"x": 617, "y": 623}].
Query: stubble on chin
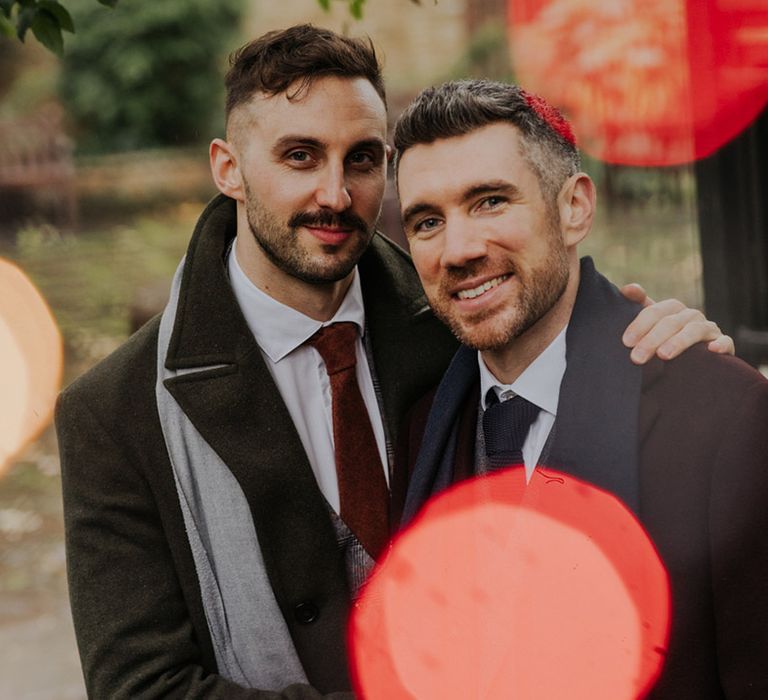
[
  {"x": 282, "y": 245},
  {"x": 494, "y": 329}
]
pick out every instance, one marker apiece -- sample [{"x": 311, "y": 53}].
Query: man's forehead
[
  {"x": 327, "y": 105},
  {"x": 448, "y": 167}
]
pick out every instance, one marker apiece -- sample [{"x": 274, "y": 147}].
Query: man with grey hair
[{"x": 494, "y": 207}]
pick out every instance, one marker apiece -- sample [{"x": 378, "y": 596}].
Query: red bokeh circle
[
  {"x": 502, "y": 589},
  {"x": 646, "y": 82}
]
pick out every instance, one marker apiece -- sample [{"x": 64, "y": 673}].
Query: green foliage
[
  {"x": 6, "y": 27},
  {"x": 147, "y": 74},
  {"x": 46, "y": 18},
  {"x": 355, "y": 7}
]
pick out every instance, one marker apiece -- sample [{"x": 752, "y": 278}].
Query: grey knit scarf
[{"x": 250, "y": 637}]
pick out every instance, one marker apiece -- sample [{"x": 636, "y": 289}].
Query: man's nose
[
  {"x": 461, "y": 245},
  {"x": 332, "y": 192}
]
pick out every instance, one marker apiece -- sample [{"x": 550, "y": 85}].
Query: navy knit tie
[{"x": 505, "y": 427}]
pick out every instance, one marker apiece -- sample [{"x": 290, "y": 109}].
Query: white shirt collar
[
  {"x": 278, "y": 328},
  {"x": 539, "y": 382}
]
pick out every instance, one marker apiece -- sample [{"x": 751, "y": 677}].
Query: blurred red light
[
  {"x": 646, "y": 82},
  {"x": 500, "y": 589}
]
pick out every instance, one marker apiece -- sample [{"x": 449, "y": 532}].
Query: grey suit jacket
[{"x": 135, "y": 596}]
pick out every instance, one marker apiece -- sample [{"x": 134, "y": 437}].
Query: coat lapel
[
  {"x": 434, "y": 468},
  {"x": 230, "y": 397},
  {"x": 411, "y": 348},
  {"x": 596, "y": 433}
]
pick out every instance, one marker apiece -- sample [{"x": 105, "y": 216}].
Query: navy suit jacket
[{"x": 683, "y": 443}]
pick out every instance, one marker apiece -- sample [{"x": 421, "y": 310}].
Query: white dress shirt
[
  {"x": 539, "y": 383},
  {"x": 299, "y": 371}
]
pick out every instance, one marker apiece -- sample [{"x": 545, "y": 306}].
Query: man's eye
[
  {"x": 299, "y": 156},
  {"x": 491, "y": 202},
  {"x": 427, "y": 224},
  {"x": 361, "y": 158}
]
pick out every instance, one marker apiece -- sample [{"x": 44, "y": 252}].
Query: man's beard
[
  {"x": 537, "y": 294},
  {"x": 281, "y": 244}
]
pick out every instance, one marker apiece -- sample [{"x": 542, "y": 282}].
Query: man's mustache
[{"x": 327, "y": 219}]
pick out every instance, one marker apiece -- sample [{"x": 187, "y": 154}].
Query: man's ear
[
  {"x": 576, "y": 203},
  {"x": 225, "y": 169}
]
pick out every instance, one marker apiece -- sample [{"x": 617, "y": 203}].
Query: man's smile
[{"x": 481, "y": 288}]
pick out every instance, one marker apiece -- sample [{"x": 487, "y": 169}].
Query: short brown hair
[
  {"x": 276, "y": 60},
  {"x": 462, "y": 106}
]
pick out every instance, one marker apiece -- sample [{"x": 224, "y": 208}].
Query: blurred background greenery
[
  {"x": 146, "y": 74},
  {"x": 103, "y": 171}
]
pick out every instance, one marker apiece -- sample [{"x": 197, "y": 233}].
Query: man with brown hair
[{"x": 225, "y": 471}]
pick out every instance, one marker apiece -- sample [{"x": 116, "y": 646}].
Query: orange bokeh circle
[{"x": 31, "y": 362}]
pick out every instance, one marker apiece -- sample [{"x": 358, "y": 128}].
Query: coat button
[{"x": 306, "y": 613}]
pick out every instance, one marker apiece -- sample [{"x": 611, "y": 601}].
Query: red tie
[{"x": 362, "y": 487}]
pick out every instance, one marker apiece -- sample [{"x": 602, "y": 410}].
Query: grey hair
[{"x": 459, "y": 107}]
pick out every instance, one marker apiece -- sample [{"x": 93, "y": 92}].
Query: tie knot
[
  {"x": 506, "y": 425},
  {"x": 336, "y": 345}
]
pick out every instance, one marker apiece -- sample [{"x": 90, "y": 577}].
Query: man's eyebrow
[
  {"x": 493, "y": 186},
  {"x": 415, "y": 209},
  {"x": 292, "y": 141}
]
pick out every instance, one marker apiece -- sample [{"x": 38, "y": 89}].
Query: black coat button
[{"x": 306, "y": 613}]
